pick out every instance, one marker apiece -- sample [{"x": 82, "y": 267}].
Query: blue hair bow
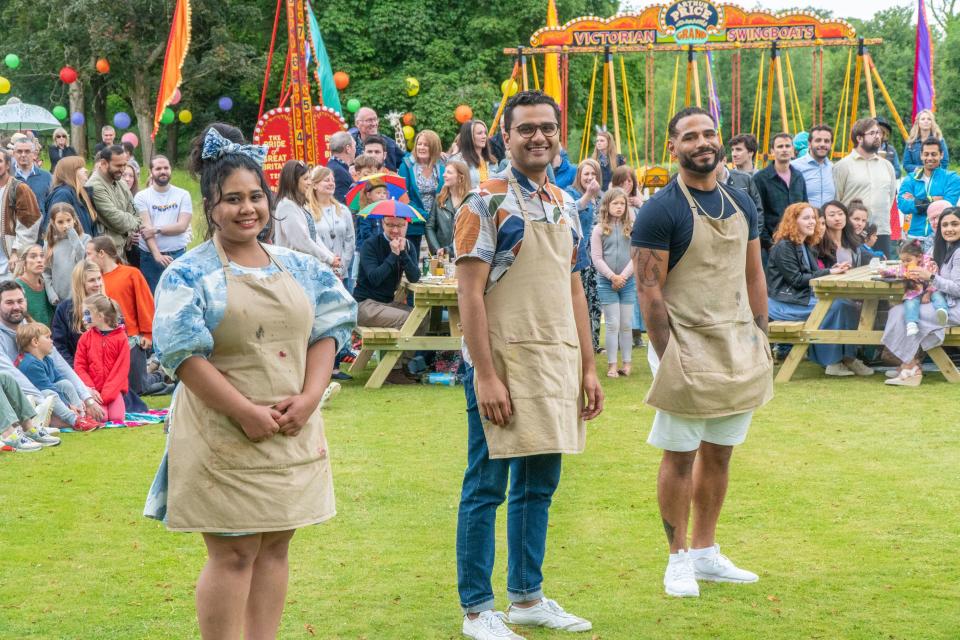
[{"x": 215, "y": 146}]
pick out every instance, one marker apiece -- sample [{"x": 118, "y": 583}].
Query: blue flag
[{"x": 328, "y": 90}]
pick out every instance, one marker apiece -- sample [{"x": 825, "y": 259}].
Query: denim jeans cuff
[
  {"x": 486, "y": 605},
  {"x": 525, "y": 596}
]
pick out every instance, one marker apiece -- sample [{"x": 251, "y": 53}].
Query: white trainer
[
  {"x": 716, "y": 567},
  {"x": 838, "y": 369},
  {"x": 679, "y": 580},
  {"x": 488, "y": 626},
  {"x": 912, "y": 328},
  {"x": 859, "y": 368},
  {"x": 943, "y": 317},
  {"x": 547, "y": 613},
  {"x": 332, "y": 389}
]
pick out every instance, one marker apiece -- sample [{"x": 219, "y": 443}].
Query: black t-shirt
[{"x": 664, "y": 222}]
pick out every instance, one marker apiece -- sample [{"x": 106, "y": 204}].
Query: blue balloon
[
  {"x": 225, "y": 103},
  {"x": 77, "y": 119},
  {"x": 121, "y": 120}
]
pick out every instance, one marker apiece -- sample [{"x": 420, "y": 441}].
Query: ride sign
[
  {"x": 275, "y": 129},
  {"x": 690, "y": 21}
]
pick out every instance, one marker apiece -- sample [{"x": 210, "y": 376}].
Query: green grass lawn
[{"x": 843, "y": 499}]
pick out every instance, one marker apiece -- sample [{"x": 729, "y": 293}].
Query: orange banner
[{"x": 177, "y": 45}]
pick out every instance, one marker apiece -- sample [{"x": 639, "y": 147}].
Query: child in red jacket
[{"x": 103, "y": 354}]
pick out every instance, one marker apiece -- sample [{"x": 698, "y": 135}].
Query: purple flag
[{"x": 924, "y": 95}]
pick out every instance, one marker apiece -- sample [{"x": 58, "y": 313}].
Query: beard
[
  {"x": 699, "y": 166},
  {"x": 869, "y": 147},
  {"x": 13, "y": 317},
  {"x": 161, "y": 181}
]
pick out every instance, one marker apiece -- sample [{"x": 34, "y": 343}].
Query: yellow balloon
[
  {"x": 4, "y": 85},
  {"x": 409, "y": 132},
  {"x": 185, "y": 116},
  {"x": 509, "y": 87},
  {"x": 413, "y": 86}
]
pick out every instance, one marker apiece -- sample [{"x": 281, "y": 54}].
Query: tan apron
[
  {"x": 220, "y": 481},
  {"x": 717, "y": 362},
  {"x": 536, "y": 350}
]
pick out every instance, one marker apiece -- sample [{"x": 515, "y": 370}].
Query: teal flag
[{"x": 328, "y": 90}]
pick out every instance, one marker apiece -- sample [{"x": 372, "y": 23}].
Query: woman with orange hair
[{"x": 791, "y": 267}]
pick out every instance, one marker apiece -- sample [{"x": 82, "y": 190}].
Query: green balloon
[
  {"x": 12, "y": 60},
  {"x": 60, "y": 112},
  {"x": 167, "y": 116},
  {"x": 353, "y": 105}
]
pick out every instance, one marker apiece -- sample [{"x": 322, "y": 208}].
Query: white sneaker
[
  {"x": 839, "y": 369},
  {"x": 717, "y": 567},
  {"x": 332, "y": 389},
  {"x": 41, "y": 436},
  {"x": 488, "y": 626},
  {"x": 859, "y": 368},
  {"x": 942, "y": 317},
  {"x": 679, "y": 579},
  {"x": 547, "y": 613},
  {"x": 912, "y": 328}
]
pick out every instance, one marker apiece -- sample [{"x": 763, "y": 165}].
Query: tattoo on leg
[{"x": 669, "y": 530}]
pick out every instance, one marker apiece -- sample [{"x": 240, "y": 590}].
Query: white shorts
[{"x": 679, "y": 433}]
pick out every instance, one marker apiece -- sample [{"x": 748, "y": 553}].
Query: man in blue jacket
[
  {"x": 926, "y": 185},
  {"x": 27, "y": 170},
  {"x": 343, "y": 151}
]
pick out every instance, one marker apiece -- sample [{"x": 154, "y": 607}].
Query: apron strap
[
  {"x": 515, "y": 186},
  {"x": 695, "y": 208}
]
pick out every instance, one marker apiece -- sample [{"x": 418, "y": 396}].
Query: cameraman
[{"x": 926, "y": 185}]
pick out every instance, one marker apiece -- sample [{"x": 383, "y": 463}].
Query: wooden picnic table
[
  {"x": 391, "y": 343},
  {"x": 855, "y": 284}
]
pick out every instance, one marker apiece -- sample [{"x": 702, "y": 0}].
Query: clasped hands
[{"x": 286, "y": 418}]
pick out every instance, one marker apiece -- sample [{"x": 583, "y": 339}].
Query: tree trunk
[
  {"x": 78, "y": 134},
  {"x": 99, "y": 105},
  {"x": 173, "y": 137},
  {"x": 140, "y": 99}
]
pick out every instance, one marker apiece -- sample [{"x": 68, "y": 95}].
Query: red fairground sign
[{"x": 275, "y": 129}]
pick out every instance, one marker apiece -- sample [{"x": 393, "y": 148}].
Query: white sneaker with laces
[
  {"x": 838, "y": 369},
  {"x": 547, "y": 613},
  {"x": 859, "y": 368},
  {"x": 716, "y": 567},
  {"x": 679, "y": 580},
  {"x": 913, "y": 328},
  {"x": 488, "y": 626},
  {"x": 332, "y": 389}
]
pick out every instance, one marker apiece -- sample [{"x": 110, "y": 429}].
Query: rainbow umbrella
[
  {"x": 396, "y": 188},
  {"x": 392, "y": 209}
]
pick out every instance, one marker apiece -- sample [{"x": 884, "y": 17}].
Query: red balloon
[
  {"x": 463, "y": 113},
  {"x": 341, "y": 80},
  {"x": 103, "y": 66},
  {"x": 68, "y": 75}
]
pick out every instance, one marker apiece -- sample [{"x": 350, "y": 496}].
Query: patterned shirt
[
  {"x": 192, "y": 299},
  {"x": 489, "y": 224}
]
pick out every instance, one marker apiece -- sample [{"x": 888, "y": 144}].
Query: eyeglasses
[
  {"x": 59, "y": 136},
  {"x": 527, "y": 130},
  {"x": 393, "y": 226}
]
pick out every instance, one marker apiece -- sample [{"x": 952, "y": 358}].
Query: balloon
[
  {"x": 12, "y": 60},
  {"x": 509, "y": 87},
  {"x": 463, "y": 113},
  {"x": 353, "y": 105},
  {"x": 60, "y": 112},
  {"x": 103, "y": 65},
  {"x": 341, "y": 80},
  {"x": 4, "y": 85},
  {"x": 185, "y": 116},
  {"x": 176, "y": 97},
  {"x": 413, "y": 86},
  {"x": 13, "y": 100},
  {"x": 131, "y": 137},
  {"x": 68, "y": 75},
  {"x": 225, "y": 103},
  {"x": 121, "y": 120},
  {"x": 77, "y": 119},
  {"x": 167, "y": 116},
  {"x": 409, "y": 119},
  {"x": 409, "y": 132}
]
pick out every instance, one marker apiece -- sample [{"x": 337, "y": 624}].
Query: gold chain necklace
[{"x": 723, "y": 205}]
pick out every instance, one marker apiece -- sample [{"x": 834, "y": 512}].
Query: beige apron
[
  {"x": 536, "y": 350},
  {"x": 220, "y": 481},
  {"x": 717, "y": 362}
]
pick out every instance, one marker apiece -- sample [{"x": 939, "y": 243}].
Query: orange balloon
[
  {"x": 463, "y": 113},
  {"x": 103, "y": 65},
  {"x": 409, "y": 119},
  {"x": 341, "y": 80}
]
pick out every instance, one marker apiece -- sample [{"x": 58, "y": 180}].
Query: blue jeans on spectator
[
  {"x": 843, "y": 314},
  {"x": 533, "y": 480},
  {"x": 152, "y": 270},
  {"x": 67, "y": 397},
  {"x": 911, "y": 307}
]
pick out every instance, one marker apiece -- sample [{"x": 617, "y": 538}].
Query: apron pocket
[
  {"x": 542, "y": 369},
  {"x": 723, "y": 347}
]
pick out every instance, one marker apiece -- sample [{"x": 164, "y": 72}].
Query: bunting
[{"x": 178, "y": 43}]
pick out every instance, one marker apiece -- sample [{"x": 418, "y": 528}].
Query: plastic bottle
[{"x": 445, "y": 379}]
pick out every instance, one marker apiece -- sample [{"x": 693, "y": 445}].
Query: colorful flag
[
  {"x": 924, "y": 94},
  {"x": 551, "y": 61},
  {"x": 177, "y": 45},
  {"x": 714, "y": 100},
  {"x": 328, "y": 88}
]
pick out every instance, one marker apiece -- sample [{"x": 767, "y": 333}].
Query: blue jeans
[
  {"x": 533, "y": 480},
  {"x": 66, "y": 396},
  {"x": 152, "y": 270},
  {"x": 911, "y": 307},
  {"x": 843, "y": 314}
]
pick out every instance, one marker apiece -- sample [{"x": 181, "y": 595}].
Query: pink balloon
[
  {"x": 176, "y": 97},
  {"x": 131, "y": 138}
]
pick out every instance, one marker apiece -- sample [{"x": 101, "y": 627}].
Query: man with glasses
[
  {"x": 39, "y": 180},
  {"x": 864, "y": 175},
  {"x": 368, "y": 124},
  {"x": 530, "y": 380}
]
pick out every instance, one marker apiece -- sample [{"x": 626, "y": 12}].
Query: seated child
[
  {"x": 103, "y": 354},
  {"x": 870, "y": 239},
  {"x": 917, "y": 293},
  {"x": 35, "y": 344}
]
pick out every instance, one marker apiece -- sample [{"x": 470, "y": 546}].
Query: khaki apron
[
  {"x": 717, "y": 362},
  {"x": 536, "y": 350},
  {"x": 220, "y": 481}
]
